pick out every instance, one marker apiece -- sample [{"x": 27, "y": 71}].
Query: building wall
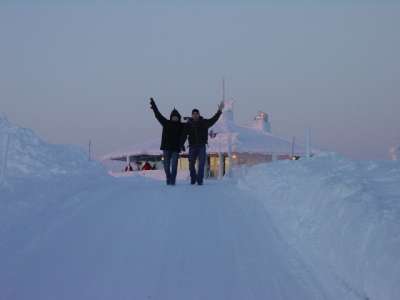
[
  {"x": 251, "y": 159},
  {"x": 248, "y": 159}
]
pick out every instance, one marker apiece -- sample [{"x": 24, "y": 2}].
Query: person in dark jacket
[
  {"x": 170, "y": 141},
  {"x": 196, "y": 131}
]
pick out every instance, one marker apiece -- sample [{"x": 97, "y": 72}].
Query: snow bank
[
  {"x": 342, "y": 216},
  {"x": 39, "y": 177},
  {"x": 30, "y": 156}
]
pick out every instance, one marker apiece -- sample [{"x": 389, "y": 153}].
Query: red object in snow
[{"x": 146, "y": 167}]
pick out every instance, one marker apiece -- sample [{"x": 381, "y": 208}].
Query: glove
[
  {"x": 221, "y": 106},
  {"x": 152, "y": 104}
]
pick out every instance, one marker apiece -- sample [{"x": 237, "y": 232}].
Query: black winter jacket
[
  {"x": 172, "y": 131},
  {"x": 197, "y": 131}
]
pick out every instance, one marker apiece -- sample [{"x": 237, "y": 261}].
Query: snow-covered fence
[{"x": 3, "y": 165}]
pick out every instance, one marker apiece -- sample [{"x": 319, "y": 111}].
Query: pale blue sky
[{"x": 75, "y": 72}]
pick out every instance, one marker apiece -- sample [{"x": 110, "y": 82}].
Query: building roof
[{"x": 150, "y": 147}]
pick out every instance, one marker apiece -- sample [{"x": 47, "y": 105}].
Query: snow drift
[
  {"x": 40, "y": 180},
  {"x": 343, "y": 217},
  {"x": 29, "y": 155}
]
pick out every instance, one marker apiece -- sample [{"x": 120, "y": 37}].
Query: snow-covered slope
[
  {"x": 29, "y": 155},
  {"x": 342, "y": 216}
]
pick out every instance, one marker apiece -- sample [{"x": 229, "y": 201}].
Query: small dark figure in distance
[{"x": 129, "y": 168}]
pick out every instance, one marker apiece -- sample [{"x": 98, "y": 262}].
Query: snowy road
[{"x": 150, "y": 241}]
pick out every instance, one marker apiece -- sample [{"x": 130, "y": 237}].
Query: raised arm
[
  {"x": 214, "y": 118},
  {"x": 157, "y": 113}
]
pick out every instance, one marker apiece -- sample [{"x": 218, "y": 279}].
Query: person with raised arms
[
  {"x": 196, "y": 131},
  {"x": 170, "y": 141}
]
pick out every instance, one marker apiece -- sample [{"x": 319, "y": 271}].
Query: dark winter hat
[
  {"x": 195, "y": 110},
  {"x": 175, "y": 113}
]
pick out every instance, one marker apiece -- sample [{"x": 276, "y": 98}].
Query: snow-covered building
[{"x": 229, "y": 145}]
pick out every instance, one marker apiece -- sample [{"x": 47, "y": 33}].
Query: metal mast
[{"x": 223, "y": 89}]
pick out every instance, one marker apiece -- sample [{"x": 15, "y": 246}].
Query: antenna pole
[
  {"x": 308, "y": 143},
  {"x": 90, "y": 150},
  {"x": 3, "y": 166},
  {"x": 223, "y": 89},
  {"x": 293, "y": 142}
]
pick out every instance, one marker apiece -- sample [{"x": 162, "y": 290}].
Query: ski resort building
[{"x": 229, "y": 145}]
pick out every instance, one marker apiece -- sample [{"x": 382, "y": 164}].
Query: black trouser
[
  {"x": 197, "y": 152},
  {"x": 170, "y": 165}
]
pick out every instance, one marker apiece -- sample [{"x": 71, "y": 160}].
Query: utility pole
[
  {"x": 308, "y": 143},
  {"x": 90, "y": 150},
  {"x": 3, "y": 166},
  {"x": 223, "y": 89},
  {"x": 293, "y": 142},
  {"x": 229, "y": 154}
]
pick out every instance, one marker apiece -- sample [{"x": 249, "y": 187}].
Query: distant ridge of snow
[
  {"x": 30, "y": 155},
  {"x": 341, "y": 215}
]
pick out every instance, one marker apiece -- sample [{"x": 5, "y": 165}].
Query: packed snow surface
[{"x": 324, "y": 228}]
